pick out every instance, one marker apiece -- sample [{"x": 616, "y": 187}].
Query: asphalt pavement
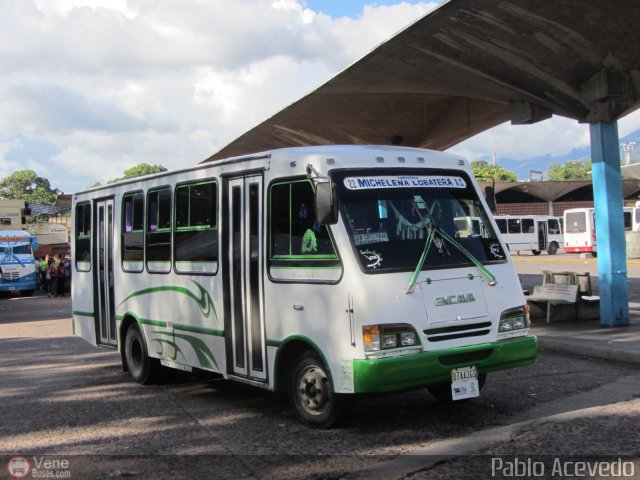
[{"x": 62, "y": 396}]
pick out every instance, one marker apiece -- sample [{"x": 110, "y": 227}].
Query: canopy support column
[{"x": 608, "y": 201}]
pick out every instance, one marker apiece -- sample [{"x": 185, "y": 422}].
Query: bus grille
[
  {"x": 10, "y": 276},
  {"x": 442, "y": 334}
]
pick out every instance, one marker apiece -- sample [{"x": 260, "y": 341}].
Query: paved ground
[{"x": 64, "y": 399}]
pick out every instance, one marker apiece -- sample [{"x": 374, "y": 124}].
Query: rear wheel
[
  {"x": 143, "y": 369},
  {"x": 309, "y": 392},
  {"x": 442, "y": 391}
]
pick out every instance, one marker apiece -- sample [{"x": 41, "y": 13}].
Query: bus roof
[{"x": 7, "y": 236}]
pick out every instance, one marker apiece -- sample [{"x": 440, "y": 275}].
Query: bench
[{"x": 565, "y": 288}]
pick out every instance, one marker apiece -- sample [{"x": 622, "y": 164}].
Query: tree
[
  {"x": 572, "y": 170},
  {"x": 482, "y": 170},
  {"x": 28, "y": 186},
  {"x": 139, "y": 170}
]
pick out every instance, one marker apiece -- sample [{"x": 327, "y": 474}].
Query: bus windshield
[
  {"x": 388, "y": 217},
  {"x": 576, "y": 222},
  {"x": 23, "y": 249}
]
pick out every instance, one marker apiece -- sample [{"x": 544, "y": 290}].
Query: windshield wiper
[
  {"x": 469, "y": 255},
  {"x": 431, "y": 229},
  {"x": 442, "y": 235},
  {"x": 423, "y": 257}
]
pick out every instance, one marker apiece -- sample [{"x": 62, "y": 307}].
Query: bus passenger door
[
  {"x": 244, "y": 306},
  {"x": 103, "y": 280},
  {"x": 542, "y": 236}
]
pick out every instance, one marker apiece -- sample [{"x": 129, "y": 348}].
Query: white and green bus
[{"x": 319, "y": 271}]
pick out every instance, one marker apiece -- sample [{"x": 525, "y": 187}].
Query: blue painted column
[{"x": 607, "y": 196}]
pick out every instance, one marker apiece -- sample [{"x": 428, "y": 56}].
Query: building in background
[{"x": 12, "y": 214}]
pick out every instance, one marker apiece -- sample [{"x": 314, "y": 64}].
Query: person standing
[
  {"x": 50, "y": 275},
  {"x": 42, "y": 268},
  {"x": 61, "y": 278}
]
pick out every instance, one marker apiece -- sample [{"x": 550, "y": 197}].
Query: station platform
[{"x": 588, "y": 338}]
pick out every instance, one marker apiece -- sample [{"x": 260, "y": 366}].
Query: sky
[{"x": 89, "y": 88}]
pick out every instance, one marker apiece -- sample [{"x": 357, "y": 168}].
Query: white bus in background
[
  {"x": 536, "y": 233},
  {"x": 580, "y": 228},
  {"x": 322, "y": 272}
]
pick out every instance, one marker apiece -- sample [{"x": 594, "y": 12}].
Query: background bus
[
  {"x": 17, "y": 263},
  {"x": 580, "y": 228},
  {"x": 531, "y": 232}
]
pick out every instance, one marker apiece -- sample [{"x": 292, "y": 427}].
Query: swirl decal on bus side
[{"x": 205, "y": 302}]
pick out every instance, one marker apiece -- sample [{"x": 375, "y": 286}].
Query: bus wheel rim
[{"x": 314, "y": 392}]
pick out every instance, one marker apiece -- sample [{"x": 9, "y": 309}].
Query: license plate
[
  {"x": 11, "y": 288},
  {"x": 464, "y": 383}
]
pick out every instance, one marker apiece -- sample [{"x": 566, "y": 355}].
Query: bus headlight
[
  {"x": 408, "y": 339},
  {"x": 386, "y": 337},
  {"x": 514, "y": 319},
  {"x": 389, "y": 340}
]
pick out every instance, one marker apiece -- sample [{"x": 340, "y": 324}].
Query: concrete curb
[{"x": 586, "y": 349}]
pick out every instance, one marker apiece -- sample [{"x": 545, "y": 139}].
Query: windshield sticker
[
  {"x": 404, "y": 181},
  {"x": 367, "y": 238},
  {"x": 495, "y": 250},
  {"x": 304, "y": 213},
  {"x": 374, "y": 258},
  {"x": 309, "y": 242}
]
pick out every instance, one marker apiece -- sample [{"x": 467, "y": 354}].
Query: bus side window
[
  {"x": 295, "y": 233},
  {"x": 196, "y": 228},
  {"x": 527, "y": 225},
  {"x": 513, "y": 225},
  {"x": 158, "y": 232},
  {"x": 83, "y": 237},
  {"x": 132, "y": 232},
  {"x": 502, "y": 225}
]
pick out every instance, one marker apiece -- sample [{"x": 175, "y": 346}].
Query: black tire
[
  {"x": 553, "y": 248},
  {"x": 442, "y": 391},
  {"x": 142, "y": 368},
  {"x": 310, "y": 395},
  {"x": 536, "y": 252},
  {"x": 26, "y": 293}
]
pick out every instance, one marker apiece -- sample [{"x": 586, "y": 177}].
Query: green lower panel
[{"x": 418, "y": 370}]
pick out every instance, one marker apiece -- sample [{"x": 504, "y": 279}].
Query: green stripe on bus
[
  {"x": 83, "y": 314},
  {"x": 155, "y": 323},
  {"x": 203, "y": 330}
]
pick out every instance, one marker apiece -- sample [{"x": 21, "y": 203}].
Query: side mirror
[
  {"x": 326, "y": 204},
  {"x": 490, "y": 196}
]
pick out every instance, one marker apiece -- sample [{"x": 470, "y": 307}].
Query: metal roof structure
[
  {"x": 554, "y": 191},
  {"x": 465, "y": 67}
]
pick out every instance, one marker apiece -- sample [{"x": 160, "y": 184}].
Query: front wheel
[
  {"x": 143, "y": 369},
  {"x": 310, "y": 395},
  {"x": 553, "y": 248},
  {"x": 536, "y": 252}
]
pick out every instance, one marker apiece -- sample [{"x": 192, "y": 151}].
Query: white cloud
[
  {"x": 556, "y": 136},
  {"x": 92, "y": 87}
]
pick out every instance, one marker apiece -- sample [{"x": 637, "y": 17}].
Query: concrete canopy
[
  {"x": 552, "y": 191},
  {"x": 465, "y": 67}
]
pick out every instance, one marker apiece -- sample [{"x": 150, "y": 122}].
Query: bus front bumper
[{"x": 425, "y": 368}]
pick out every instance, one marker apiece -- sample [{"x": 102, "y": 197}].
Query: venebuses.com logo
[
  {"x": 18, "y": 467},
  {"x": 38, "y": 467}
]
